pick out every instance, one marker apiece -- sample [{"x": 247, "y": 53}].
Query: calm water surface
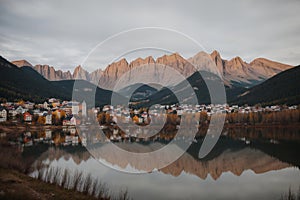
[{"x": 243, "y": 165}]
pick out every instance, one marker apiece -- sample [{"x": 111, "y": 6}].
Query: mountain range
[
  {"x": 234, "y": 71},
  {"x": 27, "y": 84},
  {"x": 260, "y": 81}
]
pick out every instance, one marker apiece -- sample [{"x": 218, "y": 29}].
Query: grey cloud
[{"x": 61, "y": 33}]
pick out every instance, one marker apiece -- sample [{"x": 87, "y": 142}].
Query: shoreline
[{"x": 8, "y": 128}]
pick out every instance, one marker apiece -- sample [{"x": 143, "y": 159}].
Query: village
[
  {"x": 57, "y": 112},
  {"x": 71, "y": 116}
]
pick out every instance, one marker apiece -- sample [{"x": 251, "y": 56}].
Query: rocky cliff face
[
  {"x": 232, "y": 71},
  {"x": 47, "y": 71},
  {"x": 51, "y": 74},
  {"x": 80, "y": 73},
  {"x": 237, "y": 70},
  {"x": 112, "y": 73},
  {"x": 176, "y": 62},
  {"x": 157, "y": 72},
  {"x": 95, "y": 76}
]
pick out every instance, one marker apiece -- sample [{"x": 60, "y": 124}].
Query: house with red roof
[{"x": 27, "y": 117}]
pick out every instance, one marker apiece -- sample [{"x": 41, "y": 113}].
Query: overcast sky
[{"x": 62, "y": 33}]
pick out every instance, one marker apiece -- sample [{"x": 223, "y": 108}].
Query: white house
[
  {"x": 29, "y": 105},
  {"x": 75, "y": 108},
  {"x": 3, "y": 115},
  {"x": 83, "y": 109},
  {"x": 45, "y": 105},
  {"x": 21, "y": 110},
  {"x": 48, "y": 119},
  {"x": 12, "y": 113},
  {"x": 37, "y": 112}
]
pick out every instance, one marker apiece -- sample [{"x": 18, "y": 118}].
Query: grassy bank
[{"x": 16, "y": 185}]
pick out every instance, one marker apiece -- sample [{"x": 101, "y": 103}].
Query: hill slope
[
  {"x": 87, "y": 91},
  {"x": 283, "y": 88},
  {"x": 167, "y": 95},
  {"x": 25, "y": 83}
]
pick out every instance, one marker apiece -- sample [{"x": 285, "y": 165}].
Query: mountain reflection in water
[{"x": 263, "y": 168}]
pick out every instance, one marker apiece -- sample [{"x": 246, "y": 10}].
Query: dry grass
[
  {"x": 77, "y": 181},
  {"x": 16, "y": 185},
  {"x": 291, "y": 195}
]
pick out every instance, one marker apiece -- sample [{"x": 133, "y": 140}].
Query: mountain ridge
[{"x": 233, "y": 71}]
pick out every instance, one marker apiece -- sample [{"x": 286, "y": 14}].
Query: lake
[{"x": 245, "y": 164}]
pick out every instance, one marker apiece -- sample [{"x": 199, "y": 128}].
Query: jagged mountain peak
[
  {"x": 200, "y": 54},
  {"x": 150, "y": 59},
  {"x": 80, "y": 73},
  {"x": 237, "y": 61},
  {"x": 170, "y": 58},
  {"x": 142, "y": 61},
  {"x": 203, "y": 61},
  {"x": 215, "y": 53},
  {"x": 78, "y": 68},
  {"x": 51, "y": 74},
  {"x": 21, "y": 63},
  {"x": 122, "y": 61}
]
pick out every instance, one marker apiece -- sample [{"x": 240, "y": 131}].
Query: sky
[{"x": 63, "y": 33}]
